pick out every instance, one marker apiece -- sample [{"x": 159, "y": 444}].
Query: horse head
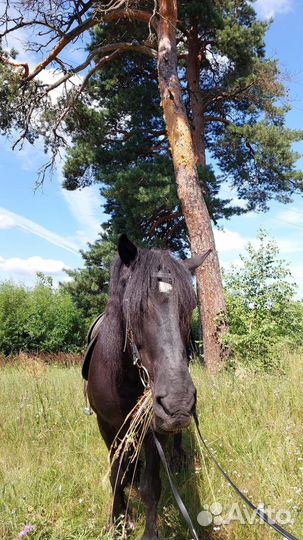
[{"x": 158, "y": 302}]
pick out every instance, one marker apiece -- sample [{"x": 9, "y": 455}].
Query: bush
[
  {"x": 262, "y": 313},
  {"x": 41, "y": 319}
]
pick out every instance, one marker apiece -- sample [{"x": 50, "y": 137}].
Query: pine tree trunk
[
  {"x": 193, "y": 79},
  {"x": 194, "y": 209}
]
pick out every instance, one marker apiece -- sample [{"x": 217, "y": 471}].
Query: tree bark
[
  {"x": 193, "y": 205},
  {"x": 193, "y": 79}
]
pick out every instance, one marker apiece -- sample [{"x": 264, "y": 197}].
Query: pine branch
[
  {"x": 118, "y": 48},
  {"x": 217, "y": 119},
  {"x": 133, "y": 15},
  {"x": 226, "y": 96},
  {"x": 15, "y": 65},
  {"x": 67, "y": 36}
]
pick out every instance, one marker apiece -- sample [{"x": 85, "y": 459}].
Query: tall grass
[{"x": 53, "y": 463}]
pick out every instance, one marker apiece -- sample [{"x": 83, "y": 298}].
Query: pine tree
[
  {"x": 232, "y": 96},
  {"x": 88, "y": 286}
]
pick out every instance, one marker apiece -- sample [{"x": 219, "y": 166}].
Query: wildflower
[{"x": 26, "y": 530}]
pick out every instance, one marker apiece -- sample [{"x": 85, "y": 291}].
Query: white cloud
[
  {"x": 291, "y": 217},
  {"x": 17, "y": 40},
  {"x": 219, "y": 61},
  {"x": 30, "y": 156},
  {"x": 230, "y": 245},
  {"x": 50, "y": 76},
  {"x": 36, "y": 229},
  {"x": 7, "y": 222},
  {"x": 31, "y": 266},
  {"x": 286, "y": 246},
  {"x": 235, "y": 201},
  {"x": 228, "y": 241},
  {"x": 289, "y": 245},
  {"x": 227, "y": 192},
  {"x": 73, "y": 54},
  {"x": 270, "y": 8},
  {"x": 85, "y": 206}
]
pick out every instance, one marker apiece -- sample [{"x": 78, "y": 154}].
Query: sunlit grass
[{"x": 53, "y": 462}]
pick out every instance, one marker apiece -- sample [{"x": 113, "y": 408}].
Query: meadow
[{"x": 53, "y": 463}]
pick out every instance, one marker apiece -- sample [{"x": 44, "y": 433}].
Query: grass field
[{"x": 53, "y": 464}]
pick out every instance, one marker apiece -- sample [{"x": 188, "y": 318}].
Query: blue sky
[{"x": 43, "y": 230}]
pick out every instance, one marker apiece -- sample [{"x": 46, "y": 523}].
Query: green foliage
[
  {"x": 41, "y": 319},
  {"x": 262, "y": 313},
  {"x": 88, "y": 287},
  {"x": 263, "y": 160}
]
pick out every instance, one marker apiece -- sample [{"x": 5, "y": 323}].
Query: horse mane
[{"x": 131, "y": 287}]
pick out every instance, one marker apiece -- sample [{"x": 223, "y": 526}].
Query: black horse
[{"x": 151, "y": 294}]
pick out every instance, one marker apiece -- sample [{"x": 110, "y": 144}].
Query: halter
[
  {"x": 143, "y": 373},
  {"x": 164, "y": 275}
]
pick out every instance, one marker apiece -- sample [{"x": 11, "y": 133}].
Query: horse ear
[
  {"x": 127, "y": 250},
  {"x": 196, "y": 261}
]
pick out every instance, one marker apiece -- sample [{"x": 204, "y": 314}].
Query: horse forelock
[{"x": 131, "y": 287}]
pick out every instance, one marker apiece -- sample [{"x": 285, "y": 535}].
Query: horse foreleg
[
  {"x": 178, "y": 459},
  {"x": 150, "y": 488},
  {"x": 116, "y": 474},
  {"x": 118, "y": 485}
]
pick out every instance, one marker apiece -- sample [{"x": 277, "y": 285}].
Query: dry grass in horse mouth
[{"x": 140, "y": 419}]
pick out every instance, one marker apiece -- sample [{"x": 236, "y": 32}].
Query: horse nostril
[{"x": 161, "y": 404}]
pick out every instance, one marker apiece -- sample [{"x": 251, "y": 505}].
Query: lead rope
[
  {"x": 258, "y": 511},
  {"x": 286, "y": 535},
  {"x": 176, "y": 494}
]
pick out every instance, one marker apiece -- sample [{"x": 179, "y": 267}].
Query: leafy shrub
[
  {"x": 41, "y": 319},
  {"x": 262, "y": 313}
]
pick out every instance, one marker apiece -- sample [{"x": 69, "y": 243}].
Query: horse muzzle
[
  {"x": 171, "y": 424},
  {"x": 172, "y": 419}
]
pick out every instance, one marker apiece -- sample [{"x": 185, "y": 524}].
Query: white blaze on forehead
[{"x": 165, "y": 287}]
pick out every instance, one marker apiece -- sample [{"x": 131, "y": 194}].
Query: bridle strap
[
  {"x": 126, "y": 325},
  {"x": 143, "y": 373},
  {"x": 176, "y": 494},
  {"x": 129, "y": 339},
  {"x": 162, "y": 275}
]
